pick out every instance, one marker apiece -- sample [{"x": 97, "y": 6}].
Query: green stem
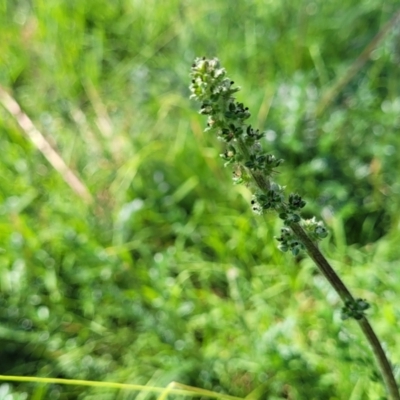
[
  {"x": 262, "y": 182},
  {"x": 322, "y": 263}
]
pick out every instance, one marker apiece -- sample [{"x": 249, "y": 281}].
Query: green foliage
[{"x": 167, "y": 275}]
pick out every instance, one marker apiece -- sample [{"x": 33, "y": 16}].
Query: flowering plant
[{"x": 227, "y": 118}]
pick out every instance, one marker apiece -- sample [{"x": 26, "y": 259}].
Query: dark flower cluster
[
  {"x": 354, "y": 309},
  {"x": 228, "y": 119}
]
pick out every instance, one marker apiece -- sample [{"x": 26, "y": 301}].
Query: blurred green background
[{"x": 167, "y": 275}]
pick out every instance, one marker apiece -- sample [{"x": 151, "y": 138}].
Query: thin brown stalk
[
  {"x": 226, "y": 117},
  {"x": 360, "y": 61},
  {"x": 329, "y": 273},
  {"x": 40, "y": 142}
]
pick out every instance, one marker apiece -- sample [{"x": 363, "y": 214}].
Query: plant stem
[
  {"x": 322, "y": 263},
  {"x": 226, "y": 116},
  {"x": 384, "y": 364},
  {"x": 341, "y": 289},
  {"x": 262, "y": 182},
  {"x": 329, "y": 273}
]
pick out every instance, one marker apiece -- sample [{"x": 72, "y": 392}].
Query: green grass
[{"x": 167, "y": 275}]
